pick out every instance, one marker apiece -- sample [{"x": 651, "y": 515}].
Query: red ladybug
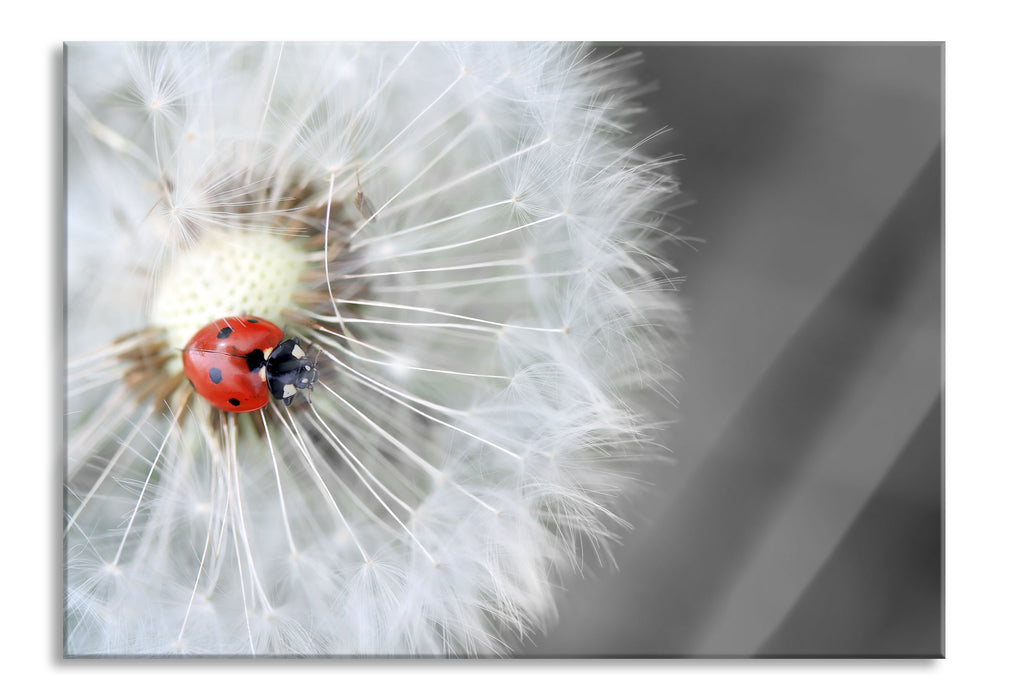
[{"x": 237, "y": 363}]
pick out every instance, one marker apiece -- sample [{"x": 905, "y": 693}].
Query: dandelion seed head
[{"x": 465, "y": 238}]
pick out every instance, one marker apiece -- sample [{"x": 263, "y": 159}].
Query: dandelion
[{"x": 463, "y": 238}]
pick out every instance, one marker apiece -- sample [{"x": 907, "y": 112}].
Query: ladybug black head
[{"x": 289, "y": 369}]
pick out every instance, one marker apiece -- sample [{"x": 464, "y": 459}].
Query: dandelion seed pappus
[{"x": 237, "y": 363}]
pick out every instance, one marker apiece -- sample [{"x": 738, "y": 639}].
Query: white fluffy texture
[{"x": 485, "y": 419}]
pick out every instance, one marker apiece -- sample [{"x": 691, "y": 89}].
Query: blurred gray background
[{"x": 805, "y": 515}]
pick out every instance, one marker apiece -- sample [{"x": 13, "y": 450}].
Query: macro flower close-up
[{"x": 446, "y": 330}]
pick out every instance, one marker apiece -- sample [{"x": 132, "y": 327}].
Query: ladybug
[{"x": 237, "y": 363}]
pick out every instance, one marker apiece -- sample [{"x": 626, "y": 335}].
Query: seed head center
[{"x": 227, "y": 274}]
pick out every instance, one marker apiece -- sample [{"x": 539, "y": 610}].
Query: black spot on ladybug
[
  {"x": 255, "y": 360},
  {"x": 225, "y": 332},
  {"x": 215, "y": 375},
  {"x": 252, "y": 320},
  {"x": 234, "y": 402}
]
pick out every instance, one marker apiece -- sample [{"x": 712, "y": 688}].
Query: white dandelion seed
[{"x": 466, "y": 236}]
